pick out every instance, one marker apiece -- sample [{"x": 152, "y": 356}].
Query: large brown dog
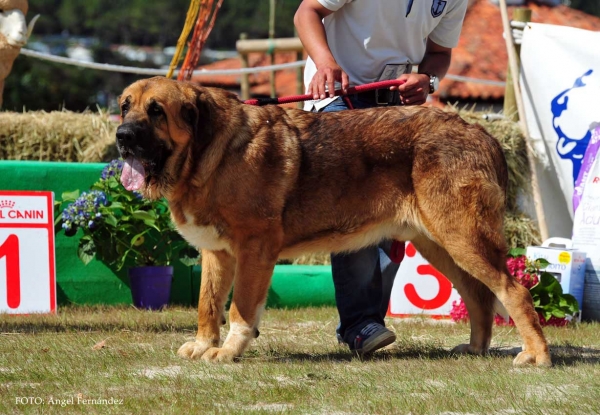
[{"x": 250, "y": 184}]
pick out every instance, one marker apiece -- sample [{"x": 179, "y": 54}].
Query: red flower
[
  {"x": 459, "y": 311},
  {"x": 517, "y": 266}
]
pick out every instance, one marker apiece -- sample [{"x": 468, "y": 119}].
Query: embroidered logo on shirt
[{"x": 437, "y": 7}]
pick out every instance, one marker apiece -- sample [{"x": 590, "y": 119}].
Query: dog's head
[{"x": 161, "y": 123}]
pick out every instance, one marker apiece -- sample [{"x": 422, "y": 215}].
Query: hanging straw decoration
[
  {"x": 187, "y": 28},
  {"x": 204, "y": 24}
]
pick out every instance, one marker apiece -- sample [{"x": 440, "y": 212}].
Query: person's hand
[
  {"x": 414, "y": 90},
  {"x": 326, "y": 76}
]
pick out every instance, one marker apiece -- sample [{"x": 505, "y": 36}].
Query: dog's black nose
[{"x": 125, "y": 133}]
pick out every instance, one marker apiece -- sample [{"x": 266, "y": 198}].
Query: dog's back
[{"x": 366, "y": 172}]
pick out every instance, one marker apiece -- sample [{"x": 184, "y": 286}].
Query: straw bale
[{"x": 56, "y": 136}]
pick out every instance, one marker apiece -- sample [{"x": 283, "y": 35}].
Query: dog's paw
[
  {"x": 526, "y": 358},
  {"x": 194, "y": 350},
  {"x": 219, "y": 355},
  {"x": 467, "y": 349}
]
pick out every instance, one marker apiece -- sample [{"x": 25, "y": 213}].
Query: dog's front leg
[
  {"x": 254, "y": 269},
  {"x": 218, "y": 268}
]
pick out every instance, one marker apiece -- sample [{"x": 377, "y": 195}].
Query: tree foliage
[
  {"x": 40, "y": 85},
  {"x": 157, "y": 23}
]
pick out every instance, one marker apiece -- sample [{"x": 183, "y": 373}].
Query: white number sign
[{"x": 27, "y": 265}]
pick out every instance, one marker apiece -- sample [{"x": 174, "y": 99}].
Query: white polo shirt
[{"x": 365, "y": 35}]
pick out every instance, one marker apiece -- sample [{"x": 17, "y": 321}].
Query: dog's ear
[
  {"x": 198, "y": 114},
  {"x": 189, "y": 115}
]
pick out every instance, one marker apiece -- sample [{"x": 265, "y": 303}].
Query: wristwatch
[{"x": 434, "y": 83}]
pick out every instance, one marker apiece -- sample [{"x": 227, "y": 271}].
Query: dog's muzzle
[
  {"x": 126, "y": 134},
  {"x": 135, "y": 137}
]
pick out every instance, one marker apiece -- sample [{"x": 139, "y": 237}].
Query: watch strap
[{"x": 433, "y": 82}]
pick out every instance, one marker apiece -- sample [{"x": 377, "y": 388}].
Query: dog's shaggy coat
[{"x": 249, "y": 184}]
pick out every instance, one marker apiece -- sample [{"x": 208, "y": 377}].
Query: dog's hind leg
[
  {"x": 218, "y": 268},
  {"x": 461, "y": 204},
  {"x": 254, "y": 268},
  {"x": 490, "y": 268},
  {"x": 478, "y": 299},
  {"x": 481, "y": 252}
]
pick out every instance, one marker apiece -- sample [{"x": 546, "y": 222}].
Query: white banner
[{"x": 560, "y": 80}]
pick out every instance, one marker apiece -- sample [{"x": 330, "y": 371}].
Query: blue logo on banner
[
  {"x": 437, "y": 7},
  {"x": 569, "y": 148}
]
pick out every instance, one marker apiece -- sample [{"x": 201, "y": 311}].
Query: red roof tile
[
  {"x": 481, "y": 52},
  {"x": 222, "y": 81},
  {"x": 285, "y": 80}
]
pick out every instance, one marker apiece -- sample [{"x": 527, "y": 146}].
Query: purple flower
[
  {"x": 84, "y": 211},
  {"x": 112, "y": 169}
]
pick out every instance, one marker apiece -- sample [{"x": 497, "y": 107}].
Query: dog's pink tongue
[{"x": 132, "y": 176}]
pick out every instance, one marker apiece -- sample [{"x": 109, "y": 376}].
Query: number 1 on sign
[{"x": 10, "y": 250}]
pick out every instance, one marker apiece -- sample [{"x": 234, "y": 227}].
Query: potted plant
[
  {"x": 554, "y": 307},
  {"x": 122, "y": 229}
]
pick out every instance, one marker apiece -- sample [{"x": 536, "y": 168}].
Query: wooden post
[
  {"x": 271, "y": 51},
  {"x": 512, "y": 60},
  {"x": 245, "y": 82},
  {"x": 520, "y": 14},
  {"x": 263, "y": 45},
  {"x": 244, "y": 46}
]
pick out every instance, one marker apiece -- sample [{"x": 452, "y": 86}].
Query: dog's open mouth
[{"x": 133, "y": 174}]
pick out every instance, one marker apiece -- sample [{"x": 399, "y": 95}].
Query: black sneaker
[{"x": 372, "y": 337}]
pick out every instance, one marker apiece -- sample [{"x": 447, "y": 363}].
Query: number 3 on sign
[
  {"x": 27, "y": 268},
  {"x": 444, "y": 290},
  {"x": 419, "y": 288}
]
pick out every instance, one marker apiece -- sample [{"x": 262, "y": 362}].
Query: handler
[{"x": 355, "y": 42}]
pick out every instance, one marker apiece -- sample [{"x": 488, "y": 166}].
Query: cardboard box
[{"x": 566, "y": 264}]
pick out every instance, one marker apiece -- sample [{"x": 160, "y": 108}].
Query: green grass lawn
[{"x": 123, "y": 360}]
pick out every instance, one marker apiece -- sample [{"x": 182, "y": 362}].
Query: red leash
[
  {"x": 338, "y": 92},
  {"x": 397, "y": 250}
]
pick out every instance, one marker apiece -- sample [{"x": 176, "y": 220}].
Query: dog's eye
[
  {"x": 124, "y": 109},
  {"x": 155, "y": 110}
]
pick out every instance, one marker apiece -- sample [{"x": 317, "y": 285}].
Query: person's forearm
[
  {"x": 309, "y": 22},
  {"x": 436, "y": 63},
  {"x": 311, "y": 32}
]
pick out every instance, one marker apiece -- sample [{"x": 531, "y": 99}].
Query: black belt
[{"x": 382, "y": 97}]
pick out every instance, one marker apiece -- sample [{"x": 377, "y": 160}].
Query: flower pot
[{"x": 150, "y": 286}]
